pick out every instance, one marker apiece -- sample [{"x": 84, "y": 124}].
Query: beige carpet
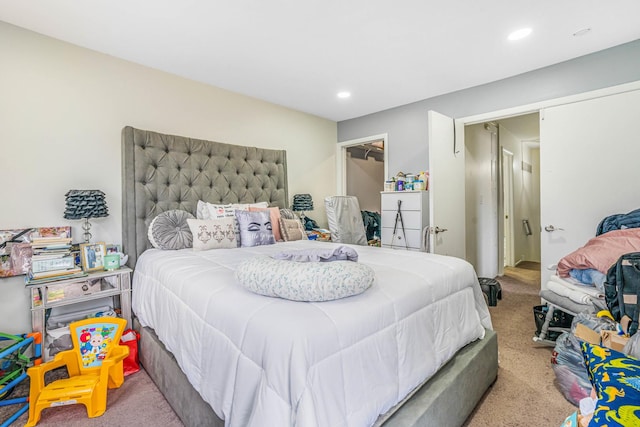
[
  {"x": 523, "y": 395},
  {"x": 526, "y": 271}
]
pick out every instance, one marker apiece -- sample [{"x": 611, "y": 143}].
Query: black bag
[{"x": 622, "y": 289}]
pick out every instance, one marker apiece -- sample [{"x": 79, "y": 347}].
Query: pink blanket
[{"x": 601, "y": 252}]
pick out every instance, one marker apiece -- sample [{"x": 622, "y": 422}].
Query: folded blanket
[
  {"x": 575, "y": 296},
  {"x": 567, "y": 304},
  {"x": 578, "y": 293},
  {"x": 341, "y": 253}
]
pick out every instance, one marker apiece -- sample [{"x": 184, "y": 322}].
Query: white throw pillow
[{"x": 213, "y": 233}]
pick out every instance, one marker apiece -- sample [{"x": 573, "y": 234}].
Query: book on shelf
[
  {"x": 51, "y": 257},
  {"x": 51, "y": 232},
  {"x": 53, "y": 276},
  {"x": 62, "y": 262},
  {"x": 57, "y": 244}
]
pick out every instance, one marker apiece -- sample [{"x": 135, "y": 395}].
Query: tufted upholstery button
[{"x": 178, "y": 168}]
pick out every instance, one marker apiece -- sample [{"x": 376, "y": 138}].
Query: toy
[
  {"x": 94, "y": 364},
  {"x": 13, "y": 368}
]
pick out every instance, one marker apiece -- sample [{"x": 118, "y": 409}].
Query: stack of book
[{"x": 52, "y": 259}]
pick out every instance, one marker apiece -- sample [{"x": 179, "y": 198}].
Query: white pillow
[
  {"x": 213, "y": 233},
  {"x": 205, "y": 210}
]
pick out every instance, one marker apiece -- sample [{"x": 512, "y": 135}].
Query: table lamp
[
  {"x": 85, "y": 204},
  {"x": 301, "y": 203}
]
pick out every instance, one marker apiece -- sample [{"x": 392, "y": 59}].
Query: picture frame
[
  {"x": 113, "y": 249},
  {"x": 92, "y": 256}
]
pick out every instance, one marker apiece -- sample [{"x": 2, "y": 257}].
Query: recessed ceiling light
[
  {"x": 519, "y": 34},
  {"x": 344, "y": 95}
]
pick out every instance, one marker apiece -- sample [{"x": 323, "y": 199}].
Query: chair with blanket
[
  {"x": 93, "y": 364},
  {"x": 345, "y": 220}
]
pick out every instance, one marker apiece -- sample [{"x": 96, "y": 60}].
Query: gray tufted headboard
[{"x": 162, "y": 172}]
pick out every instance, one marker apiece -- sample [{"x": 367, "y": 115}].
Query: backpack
[{"x": 622, "y": 288}]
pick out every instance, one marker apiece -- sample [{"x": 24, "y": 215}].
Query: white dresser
[{"x": 415, "y": 215}]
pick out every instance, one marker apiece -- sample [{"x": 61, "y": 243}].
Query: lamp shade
[
  {"x": 82, "y": 204},
  {"x": 302, "y": 202}
]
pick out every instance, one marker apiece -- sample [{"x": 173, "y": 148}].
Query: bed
[{"x": 360, "y": 363}]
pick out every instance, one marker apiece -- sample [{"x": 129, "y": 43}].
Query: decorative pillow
[
  {"x": 304, "y": 281},
  {"x": 274, "y": 215},
  {"x": 292, "y": 229},
  {"x": 169, "y": 230},
  {"x": 288, "y": 214},
  {"x": 213, "y": 233},
  {"x": 616, "y": 379},
  {"x": 246, "y": 206},
  {"x": 206, "y": 210},
  {"x": 255, "y": 228}
]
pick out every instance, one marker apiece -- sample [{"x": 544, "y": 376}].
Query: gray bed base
[{"x": 446, "y": 400}]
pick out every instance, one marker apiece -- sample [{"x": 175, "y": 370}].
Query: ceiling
[{"x": 301, "y": 53}]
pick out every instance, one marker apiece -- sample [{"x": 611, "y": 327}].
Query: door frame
[
  {"x": 341, "y": 159},
  {"x": 539, "y": 108},
  {"x": 507, "y": 202}
]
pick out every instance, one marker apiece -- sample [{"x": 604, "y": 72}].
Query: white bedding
[
  {"x": 268, "y": 361},
  {"x": 570, "y": 288}
]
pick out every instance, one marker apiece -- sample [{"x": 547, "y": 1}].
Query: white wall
[
  {"x": 365, "y": 180},
  {"x": 62, "y": 109}
]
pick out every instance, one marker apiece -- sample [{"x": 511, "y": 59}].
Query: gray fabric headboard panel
[{"x": 162, "y": 172}]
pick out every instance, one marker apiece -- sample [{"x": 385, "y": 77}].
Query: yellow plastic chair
[{"x": 94, "y": 364}]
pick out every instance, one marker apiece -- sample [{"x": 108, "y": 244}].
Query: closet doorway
[
  {"x": 362, "y": 170},
  {"x": 502, "y": 166}
]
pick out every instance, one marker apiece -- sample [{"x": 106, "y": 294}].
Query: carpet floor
[{"x": 524, "y": 394}]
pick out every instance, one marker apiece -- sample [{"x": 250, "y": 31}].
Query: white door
[
  {"x": 589, "y": 155},
  {"x": 446, "y": 186}
]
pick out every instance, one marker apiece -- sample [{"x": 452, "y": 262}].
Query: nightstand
[{"x": 45, "y": 296}]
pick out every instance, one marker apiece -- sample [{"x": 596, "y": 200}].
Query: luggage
[{"x": 622, "y": 288}]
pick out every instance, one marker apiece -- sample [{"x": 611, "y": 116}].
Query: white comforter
[{"x": 268, "y": 361}]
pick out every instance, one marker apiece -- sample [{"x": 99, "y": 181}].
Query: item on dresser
[
  {"x": 85, "y": 204},
  {"x": 51, "y": 256}
]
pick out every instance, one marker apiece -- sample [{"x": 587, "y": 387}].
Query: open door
[{"x": 446, "y": 186}]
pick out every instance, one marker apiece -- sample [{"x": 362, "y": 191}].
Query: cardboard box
[
  {"x": 609, "y": 339},
  {"x": 614, "y": 341}
]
